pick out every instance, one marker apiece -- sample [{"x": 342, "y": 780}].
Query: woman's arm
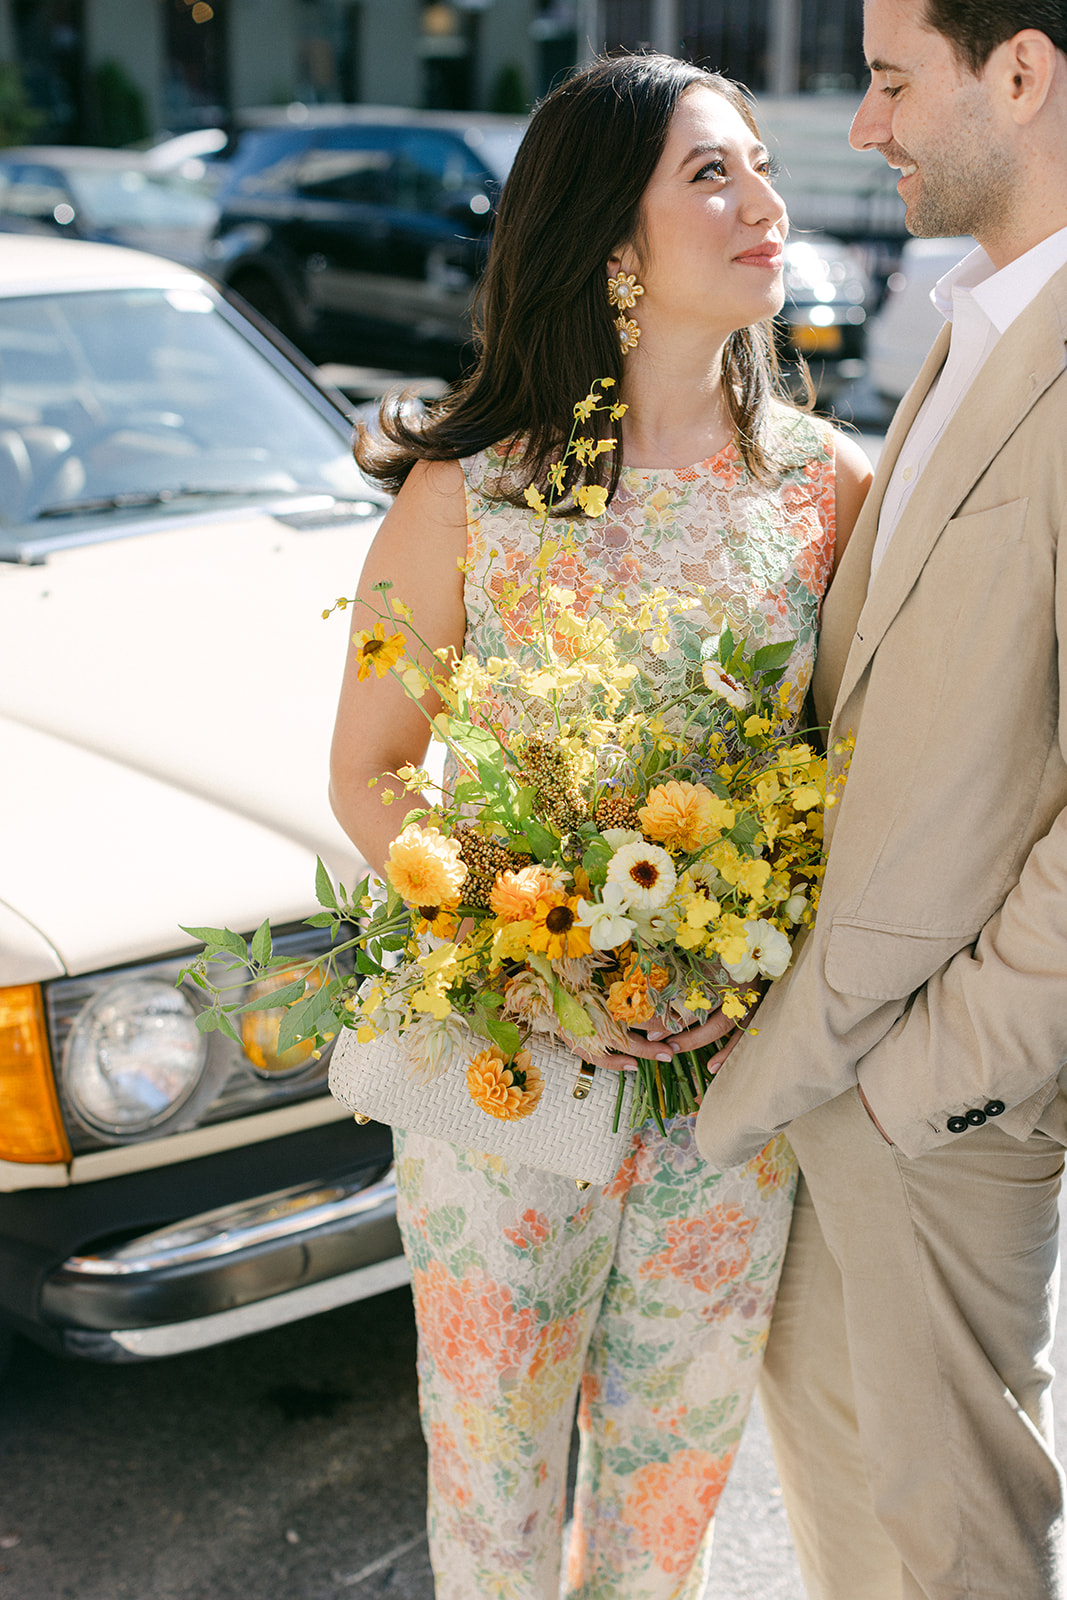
[
  {"x": 419, "y": 549},
  {"x": 853, "y": 475}
]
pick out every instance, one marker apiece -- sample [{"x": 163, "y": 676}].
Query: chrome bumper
[{"x": 227, "y": 1273}]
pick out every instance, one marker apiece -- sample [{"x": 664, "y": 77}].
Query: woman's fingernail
[{"x": 665, "y": 1056}]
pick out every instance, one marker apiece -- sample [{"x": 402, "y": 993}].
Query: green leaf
[
  {"x": 321, "y": 919},
  {"x": 506, "y": 1034},
  {"x": 277, "y": 997},
  {"x": 541, "y": 965},
  {"x": 227, "y": 1027},
  {"x": 324, "y": 891},
  {"x": 772, "y": 655},
  {"x": 365, "y": 965},
  {"x": 726, "y": 646},
  {"x": 524, "y": 803},
  {"x": 261, "y": 943},
  {"x": 298, "y": 1023},
  {"x": 744, "y": 833},
  {"x": 571, "y": 1013},
  {"x": 414, "y": 816},
  {"x": 207, "y": 1021},
  {"x": 218, "y": 939},
  {"x": 470, "y": 789},
  {"x": 478, "y": 743},
  {"x": 542, "y": 844}
]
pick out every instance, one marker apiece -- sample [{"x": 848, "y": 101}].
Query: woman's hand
[{"x": 656, "y": 1042}]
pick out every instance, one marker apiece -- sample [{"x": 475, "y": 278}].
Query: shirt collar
[{"x": 1002, "y": 295}]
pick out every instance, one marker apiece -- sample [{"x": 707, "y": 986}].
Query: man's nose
[{"x": 871, "y": 124}]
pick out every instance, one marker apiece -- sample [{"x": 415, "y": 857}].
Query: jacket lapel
[
  {"x": 1028, "y": 358},
  {"x": 847, "y": 594}
]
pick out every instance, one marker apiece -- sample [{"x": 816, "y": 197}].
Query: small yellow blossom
[
  {"x": 593, "y": 498},
  {"x": 534, "y": 499},
  {"x": 733, "y": 1005},
  {"x": 806, "y": 797}
]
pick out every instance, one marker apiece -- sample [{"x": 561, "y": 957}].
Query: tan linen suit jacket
[{"x": 936, "y": 971}]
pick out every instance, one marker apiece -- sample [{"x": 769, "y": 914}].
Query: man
[{"x": 913, "y": 1052}]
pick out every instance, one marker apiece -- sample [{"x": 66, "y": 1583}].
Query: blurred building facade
[{"x": 180, "y": 64}]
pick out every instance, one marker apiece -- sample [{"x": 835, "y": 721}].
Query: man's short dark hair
[{"x": 974, "y": 28}]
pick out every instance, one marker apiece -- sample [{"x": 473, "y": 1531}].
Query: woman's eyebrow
[{"x": 757, "y": 153}]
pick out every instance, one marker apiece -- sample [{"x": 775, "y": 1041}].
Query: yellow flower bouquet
[{"x": 580, "y": 868}]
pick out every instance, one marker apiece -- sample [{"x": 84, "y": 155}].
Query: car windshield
[
  {"x": 128, "y": 198},
  {"x": 149, "y": 393}
]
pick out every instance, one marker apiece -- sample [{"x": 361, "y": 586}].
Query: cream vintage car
[{"x": 178, "y": 505}]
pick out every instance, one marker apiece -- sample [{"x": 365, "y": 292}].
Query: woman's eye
[
  {"x": 771, "y": 168},
  {"x": 711, "y": 169},
  {"x": 892, "y": 90}
]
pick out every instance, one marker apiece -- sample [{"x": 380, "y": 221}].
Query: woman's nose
[{"x": 764, "y": 203}]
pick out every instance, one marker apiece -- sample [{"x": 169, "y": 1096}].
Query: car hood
[{"x": 166, "y": 708}]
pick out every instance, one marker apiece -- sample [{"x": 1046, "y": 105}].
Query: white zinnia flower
[
  {"x": 768, "y": 953},
  {"x": 732, "y": 690},
  {"x": 607, "y": 924},
  {"x": 645, "y": 874}
]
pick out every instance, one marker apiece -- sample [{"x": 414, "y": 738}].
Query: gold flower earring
[{"x": 623, "y": 291}]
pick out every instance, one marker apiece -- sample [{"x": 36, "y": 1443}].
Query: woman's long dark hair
[{"x": 544, "y": 329}]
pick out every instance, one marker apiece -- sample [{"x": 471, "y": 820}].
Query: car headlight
[
  {"x": 259, "y": 1029},
  {"x": 133, "y": 1055}
]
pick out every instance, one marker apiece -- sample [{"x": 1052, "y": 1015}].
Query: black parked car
[{"x": 360, "y": 232}]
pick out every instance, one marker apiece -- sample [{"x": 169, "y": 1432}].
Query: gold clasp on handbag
[
  {"x": 583, "y": 1081},
  {"x": 361, "y": 1119}
]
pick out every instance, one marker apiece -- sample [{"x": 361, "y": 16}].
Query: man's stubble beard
[{"x": 968, "y": 187}]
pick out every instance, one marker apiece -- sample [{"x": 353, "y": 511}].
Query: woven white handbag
[{"x": 568, "y": 1132}]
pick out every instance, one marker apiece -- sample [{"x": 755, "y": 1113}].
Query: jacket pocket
[{"x": 885, "y": 963}]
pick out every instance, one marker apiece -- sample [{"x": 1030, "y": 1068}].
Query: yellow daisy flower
[{"x": 373, "y": 649}]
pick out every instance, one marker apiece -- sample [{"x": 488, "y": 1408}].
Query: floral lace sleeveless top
[{"x": 756, "y": 556}]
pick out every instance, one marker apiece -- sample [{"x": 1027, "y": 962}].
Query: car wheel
[{"x": 264, "y": 296}]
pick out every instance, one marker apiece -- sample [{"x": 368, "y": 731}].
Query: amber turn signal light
[{"x": 31, "y": 1127}]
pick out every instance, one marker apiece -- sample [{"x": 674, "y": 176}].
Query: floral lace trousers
[{"x": 651, "y": 1296}]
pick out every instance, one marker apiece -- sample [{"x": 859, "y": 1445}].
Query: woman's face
[{"x": 713, "y": 227}]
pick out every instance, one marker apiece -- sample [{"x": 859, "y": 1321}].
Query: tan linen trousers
[{"x": 906, "y": 1384}]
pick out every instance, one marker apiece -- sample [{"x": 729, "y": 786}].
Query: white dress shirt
[{"x": 981, "y": 304}]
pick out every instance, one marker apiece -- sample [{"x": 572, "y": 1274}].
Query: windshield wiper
[{"x": 138, "y": 499}]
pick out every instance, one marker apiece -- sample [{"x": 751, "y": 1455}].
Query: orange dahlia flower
[
  {"x": 506, "y": 1090},
  {"x": 685, "y": 816},
  {"x": 629, "y": 999},
  {"x": 425, "y": 868},
  {"x": 514, "y": 895}
]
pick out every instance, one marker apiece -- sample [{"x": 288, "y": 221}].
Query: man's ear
[{"x": 1023, "y": 68}]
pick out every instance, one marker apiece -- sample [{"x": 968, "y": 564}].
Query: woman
[{"x": 645, "y": 174}]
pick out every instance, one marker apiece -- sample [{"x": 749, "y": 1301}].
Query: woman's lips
[{"x": 768, "y": 256}]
